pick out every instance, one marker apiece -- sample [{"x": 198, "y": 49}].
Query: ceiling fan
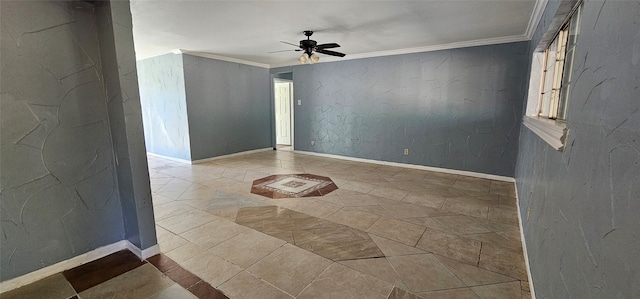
[{"x": 309, "y": 46}]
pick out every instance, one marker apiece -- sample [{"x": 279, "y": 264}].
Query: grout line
[
  {"x": 316, "y": 278},
  {"x": 480, "y": 254}
]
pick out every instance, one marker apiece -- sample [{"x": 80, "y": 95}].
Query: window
[
  {"x": 556, "y": 71},
  {"x": 550, "y": 81}
]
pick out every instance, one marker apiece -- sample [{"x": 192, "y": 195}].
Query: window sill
[{"x": 551, "y": 131}]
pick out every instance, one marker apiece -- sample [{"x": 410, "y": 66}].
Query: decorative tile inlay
[
  {"x": 323, "y": 237},
  {"x": 293, "y": 185}
]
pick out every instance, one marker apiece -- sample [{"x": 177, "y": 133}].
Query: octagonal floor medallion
[{"x": 293, "y": 185}]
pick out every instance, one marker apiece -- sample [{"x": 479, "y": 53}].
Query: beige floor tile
[
  {"x": 502, "y": 188},
  {"x": 499, "y": 291},
  {"x": 472, "y": 275},
  {"x": 186, "y": 252},
  {"x": 467, "y": 205},
  {"x": 170, "y": 241},
  {"x": 401, "y": 210},
  {"x": 445, "y": 191},
  {"x": 358, "y": 186},
  {"x": 474, "y": 184},
  {"x": 429, "y": 222},
  {"x": 247, "y": 248},
  {"x": 378, "y": 268},
  {"x": 398, "y": 293},
  {"x": 173, "y": 195},
  {"x": 186, "y": 221},
  {"x": 503, "y": 260},
  {"x": 246, "y": 286},
  {"x": 393, "y": 248},
  {"x": 462, "y": 224},
  {"x": 359, "y": 199},
  {"x": 497, "y": 239},
  {"x": 316, "y": 208},
  {"x": 170, "y": 209},
  {"x": 508, "y": 216},
  {"x": 377, "y": 209},
  {"x": 462, "y": 293},
  {"x": 173, "y": 292},
  {"x": 229, "y": 214},
  {"x": 290, "y": 268},
  {"x": 354, "y": 217},
  {"x": 211, "y": 268},
  {"x": 526, "y": 291},
  {"x": 390, "y": 193},
  {"x": 54, "y": 286},
  {"x": 334, "y": 199},
  {"x": 142, "y": 282},
  {"x": 451, "y": 246},
  {"x": 197, "y": 191},
  {"x": 158, "y": 199},
  {"x": 339, "y": 281},
  {"x": 397, "y": 230},
  {"x": 424, "y": 272},
  {"x": 214, "y": 232},
  {"x": 425, "y": 199}
]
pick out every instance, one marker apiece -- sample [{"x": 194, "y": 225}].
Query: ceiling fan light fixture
[
  {"x": 314, "y": 58},
  {"x": 303, "y": 58}
]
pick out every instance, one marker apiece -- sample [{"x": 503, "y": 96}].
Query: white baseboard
[
  {"x": 413, "y": 166},
  {"x": 145, "y": 253},
  {"x": 232, "y": 155},
  {"x": 76, "y": 261},
  {"x": 524, "y": 246},
  {"x": 169, "y": 158}
]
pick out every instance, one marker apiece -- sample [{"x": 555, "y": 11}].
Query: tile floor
[{"x": 386, "y": 232}]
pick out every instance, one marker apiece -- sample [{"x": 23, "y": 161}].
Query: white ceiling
[{"x": 248, "y": 30}]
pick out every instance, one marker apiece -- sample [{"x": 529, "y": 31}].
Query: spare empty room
[{"x": 295, "y": 149}]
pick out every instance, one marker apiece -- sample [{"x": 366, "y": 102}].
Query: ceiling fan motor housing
[{"x": 308, "y": 45}]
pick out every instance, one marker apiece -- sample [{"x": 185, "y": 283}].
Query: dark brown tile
[
  {"x": 74, "y": 297},
  {"x": 204, "y": 290},
  {"x": 183, "y": 277},
  {"x": 162, "y": 262},
  {"x": 96, "y": 272}
]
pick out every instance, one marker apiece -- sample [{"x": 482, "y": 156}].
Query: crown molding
[
  {"x": 223, "y": 58},
  {"x": 536, "y": 16}
]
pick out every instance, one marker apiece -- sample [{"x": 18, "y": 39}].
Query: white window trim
[{"x": 552, "y": 131}]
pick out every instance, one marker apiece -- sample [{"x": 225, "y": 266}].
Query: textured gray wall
[
  {"x": 456, "y": 109},
  {"x": 582, "y": 234},
  {"x": 125, "y": 120},
  {"x": 59, "y": 195},
  {"x": 164, "y": 106},
  {"x": 229, "y": 107}
]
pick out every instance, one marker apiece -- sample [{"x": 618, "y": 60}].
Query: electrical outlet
[
  {"x": 313, "y": 142},
  {"x": 406, "y": 151},
  {"x": 299, "y": 102}
]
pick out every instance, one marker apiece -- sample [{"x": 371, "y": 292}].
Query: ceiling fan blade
[
  {"x": 332, "y": 53},
  {"x": 297, "y": 50},
  {"x": 327, "y": 46},
  {"x": 298, "y": 46}
]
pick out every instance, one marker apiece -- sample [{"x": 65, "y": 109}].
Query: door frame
[{"x": 291, "y": 109}]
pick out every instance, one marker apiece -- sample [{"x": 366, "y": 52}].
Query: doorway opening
[{"x": 283, "y": 97}]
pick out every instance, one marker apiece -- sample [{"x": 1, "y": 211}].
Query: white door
[{"x": 283, "y": 112}]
